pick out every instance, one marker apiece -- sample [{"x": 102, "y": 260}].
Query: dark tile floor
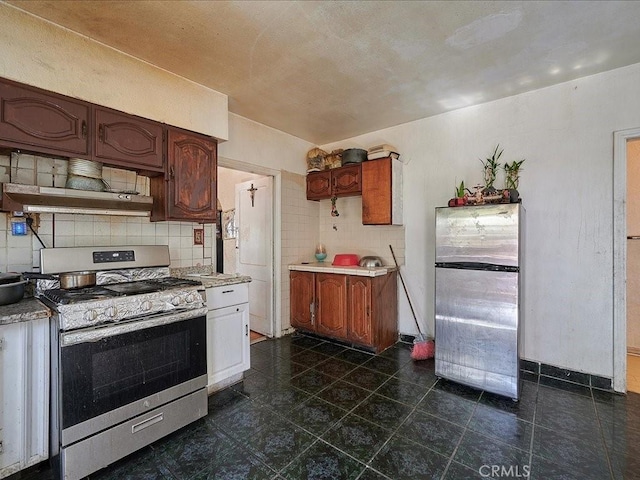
[{"x": 311, "y": 409}]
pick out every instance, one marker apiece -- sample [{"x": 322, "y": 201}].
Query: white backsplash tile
[{"x": 22, "y": 252}]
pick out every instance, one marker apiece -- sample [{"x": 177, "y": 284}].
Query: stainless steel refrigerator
[{"x": 478, "y": 296}]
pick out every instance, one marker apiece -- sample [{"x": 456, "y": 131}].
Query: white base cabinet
[
  {"x": 227, "y": 333},
  {"x": 24, "y": 395}
]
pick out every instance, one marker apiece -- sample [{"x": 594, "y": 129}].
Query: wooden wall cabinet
[
  {"x": 40, "y": 121},
  {"x": 349, "y": 308},
  {"x": 188, "y": 190},
  {"x": 382, "y": 192},
  {"x": 125, "y": 140},
  {"x": 339, "y": 182},
  {"x": 47, "y": 123}
]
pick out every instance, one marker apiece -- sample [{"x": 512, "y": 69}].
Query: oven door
[{"x": 111, "y": 373}]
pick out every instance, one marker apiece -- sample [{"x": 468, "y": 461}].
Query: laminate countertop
[
  {"x": 23, "y": 311},
  {"x": 325, "y": 267}
]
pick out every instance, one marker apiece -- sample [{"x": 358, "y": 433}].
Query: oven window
[{"x": 101, "y": 376}]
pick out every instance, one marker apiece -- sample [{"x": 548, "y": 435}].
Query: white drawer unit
[
  {"x": 227, "y": 295},
  {"x": 227, "y": 334}
]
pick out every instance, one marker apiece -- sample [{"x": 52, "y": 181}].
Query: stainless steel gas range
[{"x": 128, "y": 356}]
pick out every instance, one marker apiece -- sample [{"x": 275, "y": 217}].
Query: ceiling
[{"x": 329, "y": 70}]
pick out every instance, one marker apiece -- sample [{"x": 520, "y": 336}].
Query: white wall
[
  {"x": 47, "y": 56},
  {"x": 565, "y": 134}
]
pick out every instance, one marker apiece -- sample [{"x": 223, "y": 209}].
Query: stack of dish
[{"x": 85, "y": 175}]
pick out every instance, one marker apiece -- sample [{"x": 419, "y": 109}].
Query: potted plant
[
  {"x": 491, "y": 165},
  {"x": 512, "y": 179},
  {"x": 460, "y": 197}
]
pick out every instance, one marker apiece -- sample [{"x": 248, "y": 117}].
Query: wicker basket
[
  {"x": 315, "y": 159},
  {"x": 334, "y": 159}
]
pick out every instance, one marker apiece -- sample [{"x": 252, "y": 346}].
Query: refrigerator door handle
[{"x": 478, "y": 266}]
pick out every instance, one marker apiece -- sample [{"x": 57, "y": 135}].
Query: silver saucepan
[{"x": 68, "y": 280}]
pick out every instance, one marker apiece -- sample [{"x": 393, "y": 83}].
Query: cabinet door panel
[
  {"x": 347, "y": 180},
  {"x": 44, "y": 122},
  {"x": 376, "y": 192},
  {"x": 128, "y": 141},
  {"x": 24, "y": 395},
  {"x": 302, "y": 298},
  {"x": 331, "y": 294},
  {"x": 319, "y": 185},
  {"x": 192, "y": 177},
  {"x": 227, "y": 342},
  {"x": 360, "y": 310}
]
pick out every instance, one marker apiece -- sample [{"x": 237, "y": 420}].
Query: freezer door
[
  {"x": 479, "y": 234},
  {"x": 477, "y": 329}
]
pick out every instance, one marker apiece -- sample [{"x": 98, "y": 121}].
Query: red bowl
[{"x": 345, "y": 259}]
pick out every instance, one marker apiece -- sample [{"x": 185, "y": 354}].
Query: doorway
[
  {"x": 247, "y": 195},
  {"x": 633, "y": 265},
  {"x": 626, "y": 261}
]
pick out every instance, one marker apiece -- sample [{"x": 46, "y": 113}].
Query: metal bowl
[
  {"x": 353, "y": 155},
  {"x": 370, "y": 262},
  {"x": 11, "y": 292}
]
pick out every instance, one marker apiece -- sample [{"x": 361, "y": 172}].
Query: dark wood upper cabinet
[
  {"x": 126, "y": 140},
  {"x": 340, "y": 182},
  {"x": 347, "y": 180},
  {"x": 34, "y": 120},
  {"x": 319, "y": 185},
  {"x": 382, "y": 192},
  {"x": 188, "y": 190}
]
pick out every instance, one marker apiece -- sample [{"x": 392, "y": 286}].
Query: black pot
[{"x": 353, "y": 155}]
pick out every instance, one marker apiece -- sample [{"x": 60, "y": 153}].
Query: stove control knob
[
  {"x": 111, "y": 312},
  {"x": 146, "y": 306},
  {"x": 176, "y": 301},
  {"x": 90, "y": 315}
]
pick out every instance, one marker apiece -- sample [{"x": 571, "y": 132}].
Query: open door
[{"x": 254, "y": 220}]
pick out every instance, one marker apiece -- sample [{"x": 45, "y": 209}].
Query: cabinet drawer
[{"x": 224, "y": 296}]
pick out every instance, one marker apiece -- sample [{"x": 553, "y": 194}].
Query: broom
[{"x": 423, "y": 348}]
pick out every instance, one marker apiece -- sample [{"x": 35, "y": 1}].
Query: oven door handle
[{"x": 95, "y": 334}]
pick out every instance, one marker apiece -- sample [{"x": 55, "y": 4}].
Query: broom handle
[{"x": 405, "y": 290}]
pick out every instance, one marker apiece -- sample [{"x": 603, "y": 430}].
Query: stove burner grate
[{"x": 64, "y": 297}]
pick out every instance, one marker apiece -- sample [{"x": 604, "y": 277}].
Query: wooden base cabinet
[
  {"x": 359, "y": 310},
  {"x": 331, "y": 305},
  {"x": 24, "y": 395}
]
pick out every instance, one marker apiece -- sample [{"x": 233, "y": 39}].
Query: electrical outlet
[{"x": 198, "y": 236}]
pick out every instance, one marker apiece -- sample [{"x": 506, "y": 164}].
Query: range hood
[{"x": 35, "y": 199}]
